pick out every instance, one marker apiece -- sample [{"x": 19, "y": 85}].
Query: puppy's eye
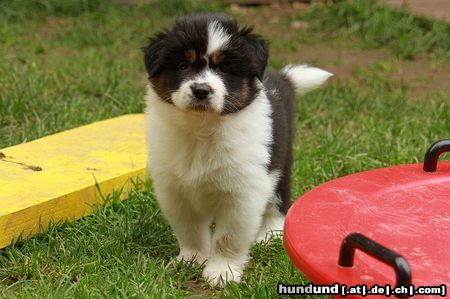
[
  {"x": 224, "y": 69},
  {"x": 182, "y": 66}
]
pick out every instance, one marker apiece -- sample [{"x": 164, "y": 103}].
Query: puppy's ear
[
  {"x": 259, "y": 51},
  {"x": 153, "y": 54}
]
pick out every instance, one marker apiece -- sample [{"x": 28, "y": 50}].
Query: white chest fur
[{"x": 207, "y": 156}]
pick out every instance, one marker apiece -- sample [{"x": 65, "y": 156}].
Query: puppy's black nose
[{"x": 201, "y": 90}]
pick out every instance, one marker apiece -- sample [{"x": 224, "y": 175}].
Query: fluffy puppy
[{"x": 220, "y": 131}]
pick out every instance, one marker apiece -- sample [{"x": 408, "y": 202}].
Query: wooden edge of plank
[{"x": 73, "y": 206}]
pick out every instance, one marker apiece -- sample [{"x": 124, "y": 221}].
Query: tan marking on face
[
  {"x": 243, "y": 97},
  {"x": 216, "y": 57},
  {"x": 160, "y": 87},
  {"x": 245, "y": 90},
  {"x": 191, "y": 56},
  {"x": 226, "y": 247}
]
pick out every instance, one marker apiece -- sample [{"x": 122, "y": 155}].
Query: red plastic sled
[{"x": 397, "y": 218}]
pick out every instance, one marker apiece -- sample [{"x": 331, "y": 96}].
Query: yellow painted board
[{"x": 54, "y": 178}]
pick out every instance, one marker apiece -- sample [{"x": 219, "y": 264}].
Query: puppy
[{"x": 220, "y": 132}]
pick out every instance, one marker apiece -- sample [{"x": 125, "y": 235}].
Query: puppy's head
[{"x": 205, "y": 62}]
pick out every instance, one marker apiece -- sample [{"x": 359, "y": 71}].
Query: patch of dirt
[
  {"x": 271, "y": 19},
  {"x": 261, "y": 2},
  {"x": 47, "y": 29},
  {"x": 421, "y": 76},
  {"x": 56, "y": 22},
  {"x": 197, "y": 290},
  {"x": 344, "y": 61},
  {"x": 437, "y": 9}
]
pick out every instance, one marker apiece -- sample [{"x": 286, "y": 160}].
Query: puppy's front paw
[
  {"x": 189, "y": 255},
  {"x": 219, "y": 273}
]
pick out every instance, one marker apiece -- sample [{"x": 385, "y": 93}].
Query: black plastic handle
[
  {"x": 433, "y": 153},
  {"x": 358, "y": 241}
]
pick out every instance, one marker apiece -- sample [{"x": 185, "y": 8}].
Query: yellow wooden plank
[{"x": 53, "y": 178}]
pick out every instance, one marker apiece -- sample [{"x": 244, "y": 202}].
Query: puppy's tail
[{"x": 304, "y": 77}]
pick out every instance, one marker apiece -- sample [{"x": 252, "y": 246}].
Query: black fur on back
[{"x": 282, "y": 98}]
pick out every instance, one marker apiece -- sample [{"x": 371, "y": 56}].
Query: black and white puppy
[{"x": 219, "y": 131}]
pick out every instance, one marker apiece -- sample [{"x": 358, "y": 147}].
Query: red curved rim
[{"x": 401, "y": 207}]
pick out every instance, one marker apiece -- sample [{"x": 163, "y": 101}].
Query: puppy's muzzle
[{"x": 201, "y": 90}]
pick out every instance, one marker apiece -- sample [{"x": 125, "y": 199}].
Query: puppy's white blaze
[
  {"x": 305, "y": 78},
  {"x": 218, "y": 38},
  {"x": 183, "y": 97}
]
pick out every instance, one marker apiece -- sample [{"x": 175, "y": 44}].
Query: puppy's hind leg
[
  {"x": 190, "y": 228},
  {"x": 273, "y": 219},
  {"x": 272, "y": 224}
]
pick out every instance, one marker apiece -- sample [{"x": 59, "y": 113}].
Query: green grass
[
  {"x": 68, "y": 63},
  {"x": 379, "y": 26}
]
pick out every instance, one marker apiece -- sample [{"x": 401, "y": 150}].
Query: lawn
[{"x": 68, "y": 63}]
